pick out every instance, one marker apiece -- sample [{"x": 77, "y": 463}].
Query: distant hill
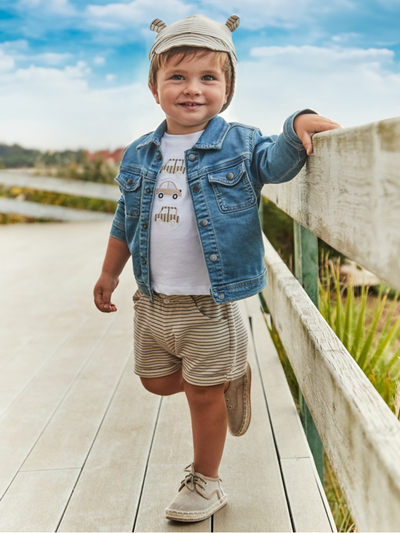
[{"x": 16, "y": 156}]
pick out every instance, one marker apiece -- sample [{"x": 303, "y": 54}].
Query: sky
[{"x": 73, "y": 73}]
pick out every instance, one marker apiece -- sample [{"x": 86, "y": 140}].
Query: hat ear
[
  {"x": 157, "y": 25},
  {"x": 233, "y": 22}
]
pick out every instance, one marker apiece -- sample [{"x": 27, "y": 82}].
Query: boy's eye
[
  {"x": 208, "y": 77},
  {"x": 176, "y": 77}
]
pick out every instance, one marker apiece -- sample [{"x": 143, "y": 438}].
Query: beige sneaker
[
  {"x": 237, "y": 397},
  {"x": 198, "y": 498}
]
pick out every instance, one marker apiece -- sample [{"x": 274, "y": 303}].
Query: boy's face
[{"x": 190, "y": 92}]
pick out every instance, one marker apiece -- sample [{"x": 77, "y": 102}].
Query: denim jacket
[{"x": 226, "y": 170}]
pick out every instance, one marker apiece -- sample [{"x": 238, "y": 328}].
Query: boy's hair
[{"x": 179, "y": 53}]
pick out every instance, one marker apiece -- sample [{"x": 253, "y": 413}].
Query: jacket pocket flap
[
  {"x": 228, "y": 176},
  {"x": 128, "y": 180}
]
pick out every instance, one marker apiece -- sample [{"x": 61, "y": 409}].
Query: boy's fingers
[
  {"x": 106, "y": 299},
  {"x": 317, "y": 125},
  {"x": 307, "y": 142},
  {"x": 102, "y": 301},
  {"x": 326, "y": 125}
]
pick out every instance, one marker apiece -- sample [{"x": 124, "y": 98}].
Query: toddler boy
[{"x": 188, "y": 215}]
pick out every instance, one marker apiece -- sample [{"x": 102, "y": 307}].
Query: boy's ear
[
  {"x": 227, "y": 93},
  {"x": 154, "y": 92}
]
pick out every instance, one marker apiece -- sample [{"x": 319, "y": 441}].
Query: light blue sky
[{"x": 73, "y": 73}]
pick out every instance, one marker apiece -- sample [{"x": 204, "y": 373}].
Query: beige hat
[{"x": 200, "y": 31}]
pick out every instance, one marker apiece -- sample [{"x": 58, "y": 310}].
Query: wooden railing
[
  {"x": 71, "y": 187},
  {"x": 348, "y": 195}
]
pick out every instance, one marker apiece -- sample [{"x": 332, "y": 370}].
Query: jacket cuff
[
  {"x": 289, "y": 131},
  {"x": 117, "y": 232}
]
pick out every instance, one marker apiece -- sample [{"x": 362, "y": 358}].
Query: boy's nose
[{"x": 192, "y": 87}]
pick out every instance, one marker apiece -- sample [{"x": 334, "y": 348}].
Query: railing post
[{"x": 306, "y": 271}]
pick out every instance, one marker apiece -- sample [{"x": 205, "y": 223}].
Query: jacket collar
[{"x": 211, "y": 139}]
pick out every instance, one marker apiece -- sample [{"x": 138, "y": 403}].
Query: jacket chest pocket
[
  {"x": 129, "y": 183},
  {"x": 232, "y": 188}
]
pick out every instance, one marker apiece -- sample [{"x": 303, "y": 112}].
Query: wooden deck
[{"x": 83, "y": 447}]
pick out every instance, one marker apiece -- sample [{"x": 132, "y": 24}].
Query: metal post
[{"x": 306, "y": 271}]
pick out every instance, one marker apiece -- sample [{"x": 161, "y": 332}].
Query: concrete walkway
[{"x": 83, "y": 447}]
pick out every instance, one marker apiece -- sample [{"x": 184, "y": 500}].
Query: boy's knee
[
  {"x": 156, "y": 386},
  {"x": 164, "y": 386},
  {"x": 203, "y": 395},
  {"x": 151, "y": 385}
]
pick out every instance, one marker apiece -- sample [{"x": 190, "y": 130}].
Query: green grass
[{"x": 366, "y": 326}]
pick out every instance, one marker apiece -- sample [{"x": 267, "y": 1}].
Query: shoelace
[{"x": 191, "y": 480}]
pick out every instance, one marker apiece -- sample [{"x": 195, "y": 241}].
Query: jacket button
[
  {"x": 221, "y": 295},
  {"x": 203, "y": 222},
  {"x": 192, "y": 157},
  {"x": 213, "y": 258},
  {"x": 159, "y": 157},
  {"x": 148, "y": 190},
  {"x": 145, "y": 226},
  {"x": 130, "y": 181},
  {"x": 144, "y": 262},
  {"x": 196, "y": 188},
  {"x": 229, "y": 176}
]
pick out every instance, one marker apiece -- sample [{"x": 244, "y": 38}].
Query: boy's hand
[
  {"x": 102, "y": 293},
  {"x": 306, "y": 125}
]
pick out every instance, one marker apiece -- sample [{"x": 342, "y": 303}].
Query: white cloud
[
  {"x": 98, "y": 60},
  {"x": 53, "y": 59},
  {"x": 6, "y": 62},
  {"x": 56, "y": 108},
  {"x": 62, "y": 7},
  {"x": 257, "y": 14},
  {"x": 110, "y": 77},
  {"x": 20, "y": 51},
  {"x": 351, "y": 86},
  {"x": 51, "y": 108},
  {"x": 133, "y": 14}
]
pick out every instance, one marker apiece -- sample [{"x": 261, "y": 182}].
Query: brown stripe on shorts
[{"x": 208, "y": 340}]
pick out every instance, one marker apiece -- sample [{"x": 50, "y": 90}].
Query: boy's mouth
[{"x": 190, "y": 104}]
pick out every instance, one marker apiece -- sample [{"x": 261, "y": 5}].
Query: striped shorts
[{"x": 207, "y": 340}]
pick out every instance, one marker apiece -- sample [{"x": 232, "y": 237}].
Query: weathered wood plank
[
  {"x": 28, "y": 415},
  {"x": 68, "y": 437},
  {"x": 305, "y": 495},
  {"x": 307, "y": 501},
  {"x": 36, "y": 500},
  {"x": 48, "y": 271},
  {"x": 33, "y": 209},
  {"x": 19, "y": 368},
  {"x": 251, "y": 472},
  {"x": 108, "y": 490},
  {"x": 360, "y": 434},
  {"x": 73, "y": 187},
  {"x": 172, "y": 451},
  {"x": 348, "y": 194}
]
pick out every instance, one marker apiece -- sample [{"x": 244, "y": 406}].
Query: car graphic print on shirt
[
  {"x": 168, "y": 188},
  {"x": 167, "y": 214},
  {"x": 173, "y": 166}
]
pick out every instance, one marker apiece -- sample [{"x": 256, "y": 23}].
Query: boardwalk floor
[{"x": 84, "y": 447}]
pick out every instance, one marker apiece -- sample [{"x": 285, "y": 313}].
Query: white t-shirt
[{"x": 177, "y": 264}]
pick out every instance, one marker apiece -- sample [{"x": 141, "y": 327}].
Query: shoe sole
[
  {"x": 196, "y": 516},
  {"x": 247, "y": 405}
]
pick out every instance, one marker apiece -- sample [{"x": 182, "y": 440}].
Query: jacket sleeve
[
  {"x": 118, "y": 224},
  {"x": 278, "y": 159}
]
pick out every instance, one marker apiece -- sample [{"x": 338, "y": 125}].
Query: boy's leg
[
  {"x": 209, "y": 426},
  {"x": 166, "y": 385}
]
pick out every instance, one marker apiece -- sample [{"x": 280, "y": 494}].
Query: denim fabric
[{"x": 226, "y": 170}]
